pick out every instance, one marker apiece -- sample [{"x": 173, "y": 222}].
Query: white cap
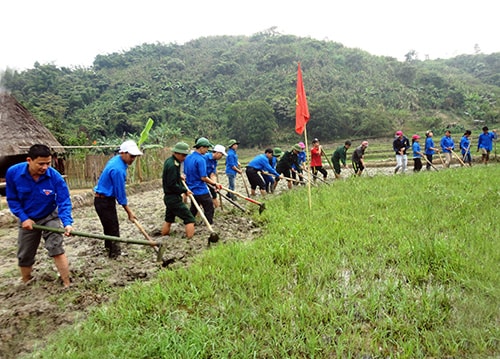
[
  {"x": 130, "y": 147},
  {"x": 221, "y": 149}
]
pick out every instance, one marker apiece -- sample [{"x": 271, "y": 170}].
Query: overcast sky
[{"x": 72, "y": 32}]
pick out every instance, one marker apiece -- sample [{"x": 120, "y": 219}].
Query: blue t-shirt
[
  {"x": 429, "y": 143},
  {"x": 447, "y": 142},
  {"x": 211, "y": 163},
  {"x": 416, "y": 149},
  {"x": 231, "y": 160},
  {"x": 465, "y": 145},
  {"x": 261, "y": 163},
  {"x": 195, "y": 167},
  {"x": 485, "y": 141},
  {"x": 301, "y": 159},
  {"x": 113, "y": 180},
  {"x": 30, "y": 199}
]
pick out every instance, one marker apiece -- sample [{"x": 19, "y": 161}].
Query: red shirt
[{"x": 316, "y": 157}]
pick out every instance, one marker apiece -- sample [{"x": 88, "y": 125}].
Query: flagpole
[
  {"x": 307, "y": 168},
  {"x": 301, "y": 119}
]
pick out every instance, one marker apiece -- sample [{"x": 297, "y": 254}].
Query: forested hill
[{"x": 244, "y": 87}]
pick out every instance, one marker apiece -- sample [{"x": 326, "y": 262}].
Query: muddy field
[{"x": 29, "y": 313}]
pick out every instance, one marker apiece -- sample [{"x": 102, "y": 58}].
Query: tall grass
[{"x": 401, "y": 266}]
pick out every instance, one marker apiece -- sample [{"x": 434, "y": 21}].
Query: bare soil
[{"x": 29, "y": 313}]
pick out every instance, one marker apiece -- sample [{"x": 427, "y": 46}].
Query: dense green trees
[{"x": 244, "y": 87}]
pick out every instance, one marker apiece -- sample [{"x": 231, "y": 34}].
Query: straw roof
[{"x": 20, "y": 129}]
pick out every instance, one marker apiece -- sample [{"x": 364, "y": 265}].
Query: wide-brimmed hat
[
  {"x": 277, "y": 152},
  {"x": 181, "y": 147},
  {"x": 297, "y": 147},
  {"x": 130, "y": 147},
  {"x": 232, "y": 142},
  {"x": 202, "y": 142},
  {"x": 221, "y": 149}
]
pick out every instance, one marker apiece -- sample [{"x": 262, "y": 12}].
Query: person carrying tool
[
  {"x": 260, "y": 163},
  {"x": 302, "y": 161},
  {"x": 465, "y": 147},
  {"x": 269, "y": 179},
  {"x": 37, "y": 194},
  {"x": 316, "y": 164},
  {"x": 110, "y": 189},
  {"x": 430, "y": 149},
  {"x": 232, "y": 166},
  {"x": 212, "y": 158},
  {"x": 173, "y": 188},
  {"x": 195, "y": 169},
  {"x": 400, "y": 146},
  {"x": 417, "y": 153},
  {"x": 287, "y": 162},
  {"x": 340, "y": 155},
  {"x": 485, "y": 143},
  {"x": 358, "y": 158},
  {"x": 447, "y": 146}
]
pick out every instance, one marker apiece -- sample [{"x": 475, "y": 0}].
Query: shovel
[
  {"x": 159, "y": 250},
  {"x": 292, "y": 179},
  {"x": 245, "y": 184},
  {"x": 441, "y": 158},
  {"x": 214, "y": 237},
  {"x": 318, "y": 177},
  {"x": 97, "y": 236},
  {"x": 327, "y": 159},
  {"x": 262, "y": 206},
  {"x": 429, "y": 162},
  {"x": 243, "y": 209},
  {"x": 457, "y": 156}
]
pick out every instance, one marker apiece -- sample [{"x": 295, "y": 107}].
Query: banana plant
[
  {"x": 145, "y": 132},
  {"x": 142, "y": 139}
]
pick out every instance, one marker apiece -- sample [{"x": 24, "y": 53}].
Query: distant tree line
[{"x": 244, "y": 87}]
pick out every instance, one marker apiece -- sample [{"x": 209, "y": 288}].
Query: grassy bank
[{"x": 399, "y": 266}]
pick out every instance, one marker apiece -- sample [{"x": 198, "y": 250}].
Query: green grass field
[{"x": 381, "y": 267}]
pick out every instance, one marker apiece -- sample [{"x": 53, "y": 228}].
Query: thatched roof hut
[{"x": 20, "y": 129}]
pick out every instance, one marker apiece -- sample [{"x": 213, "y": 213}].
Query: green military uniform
[
  {"x": 173, "y": 188},
  {"x": 338, "y": 156}
]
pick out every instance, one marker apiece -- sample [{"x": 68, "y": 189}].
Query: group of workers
[
  {"x": 38, "y": 194},
  {"x": 401, "y": 145}
]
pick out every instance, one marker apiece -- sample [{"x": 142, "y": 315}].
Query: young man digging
[
  {"x": 173, "y": 188},
  {"x": 37, "y": 194}
]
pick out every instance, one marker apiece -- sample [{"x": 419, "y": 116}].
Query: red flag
[{"x": 301, "y": 109}]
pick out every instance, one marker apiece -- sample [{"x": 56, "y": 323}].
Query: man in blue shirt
[
  {"x": 269, "y": 181},
  {"x": 485, "y": 143},
  {"x": 212, "y": 158},
  {"x": 111, "y": 189},
  {"x": 195, "y": 169},
  {"x": 429, "y": 149},
  {"x": 37, "y": 194},
  {"x": 260, "y": 163},
  {"x": 465, "y": 147},
  {"x": 232, "y": 166},
  {"x": 447, "y": 145},
  {"x": 301, "y": 160}
]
